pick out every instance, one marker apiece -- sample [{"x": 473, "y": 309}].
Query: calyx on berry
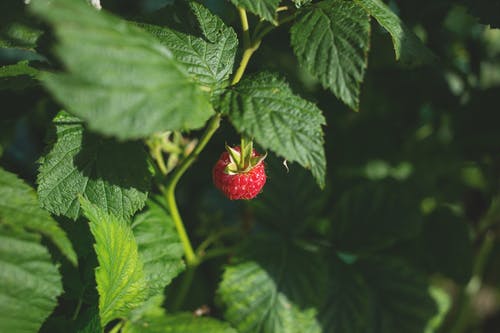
[{"x": 242, "y": 159}]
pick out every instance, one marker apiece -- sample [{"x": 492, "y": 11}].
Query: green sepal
[{"x": 242, "y": 161}]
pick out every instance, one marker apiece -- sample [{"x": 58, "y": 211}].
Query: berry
[{"x": 237, "y": 180}]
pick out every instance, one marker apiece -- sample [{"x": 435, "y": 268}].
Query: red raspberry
[{"x": 241, "y": 185}]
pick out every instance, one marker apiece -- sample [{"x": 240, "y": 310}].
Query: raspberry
[{"x": 239, "y": 184}]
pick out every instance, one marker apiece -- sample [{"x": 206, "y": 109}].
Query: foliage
[{"x": 112, "y": 120}]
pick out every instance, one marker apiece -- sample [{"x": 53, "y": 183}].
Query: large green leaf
[
  {"x": 453, "y": 257},
  {"x": 347, "y": 307},
  {"x": 408, "y": 48},
  {"x": 19, "y": 208},
  {"x": 119, "y": 78},
  {"x": 264, "y": 107},
  {"x": 29, "y": 282},
  {"x": 273, "y": 286},
  {"x": 402, "y": 299},
  {"x": 114, "y": 176},
  {"x": 177, "y": 323},
  {"x": 331, "y": 40},
  {"x": 120, "y": 276},
  {"x": 290, "y": 214},
  {"x": 208, "y": 58},
  {"x": 263, "y": 8},
  {"x": 375, "y": 215},
  {"x": 160, "y": 248}
]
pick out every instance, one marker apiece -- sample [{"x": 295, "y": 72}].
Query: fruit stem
[
  {"x": 245, "y": 154},
  {"x": 169, "y": 192}
]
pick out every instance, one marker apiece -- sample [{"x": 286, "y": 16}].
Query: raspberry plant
[{"x": 116, "y": 226}]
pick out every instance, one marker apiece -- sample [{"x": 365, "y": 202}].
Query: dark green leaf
[
  {"x": 17, "y": 77},
  {"x": 263, "y": 8},
  {"x": 290, "y": 214},
  {"x": 209, "y": 59},
  {"x": 120, "y": 277},
  {"x": 265, "y": 108},
  {"x": 374, "y": 216},
  {"x": 19, "y": 35},
  {"x": 159, "y": 245},
  {"x": 402, "y": 299},
  {"x": 448, "y": 247},
  {"x": 331, "y": 40},
  {"x": 408, "y": 48},
  {"x": 347, "y": 307},
  {"x": 177, "y": 323},
  {"x": 114, "y": 176},
  {"x": 273, "y": 286},
  {"x": 19, "y": 208},
  {"x": 29, "y": 281},
  {"x": 119, "y": 78}
]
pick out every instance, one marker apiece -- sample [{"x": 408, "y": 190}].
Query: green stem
[
  {"x": 169, "y": 191},
  {"x": 249, "y": 47},
  {"x": 187, "y": 279},
  {"x": 463, "y": 315},
  {"x": 215, "y": 237},
  {"x": 218, "y": 252},
  {"x": 247, "y": 54},
  {"x": 158, "y": 156},
  {"x": 117, "y": 327}
]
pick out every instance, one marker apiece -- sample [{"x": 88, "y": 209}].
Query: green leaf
[
  {"x": 160, "y": 248},
  {"x": 114, "y": 176},
  {"x": 208, "y": 58},
  {"x": 453, "y": 257},
  {"x": 265, "y": 108},
  {"x": 407, "y": 46},
  {"x": 119, "y": 78},
  {"x": 19, "y": 208},
  {"x": 402, "y": 298},
  {"x": 17, "y": 77},
  {"x": 177, "y": 323},
  {"x": 19, "y": 34},
  {"x": 290, "y": 214},
  {"x": 120, "y": 277},
  {"x": 331, "y": 40},
  {"x": 347, "y": 307},
  {"x": 300, "y": 3},
  {"x": 89, "y": 322},
  {"x": 29, "y": 281},
  {"x": 273, "y": 286},
  {"x": 385, "y": 212},
  {"x": 263, "y": 8}
]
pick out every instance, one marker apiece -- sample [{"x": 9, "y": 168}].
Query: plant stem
[
  {"x": 117, "y": 327},
  {"x": 215, "y": 237},
  {"x": 158, "y": 156},
  {"x": 245, "y": 27},
  {"x": 464, "y": 316},
  {"x": 249, "y": 47},
  {"x": 169, "y": 191},
  {"x": 221, "y": 251},
  {"x": 187, "y": 279}
]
